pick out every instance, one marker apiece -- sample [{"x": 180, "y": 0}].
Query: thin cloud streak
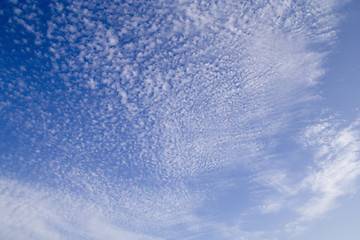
[
  {"x": 332, "y": 173},
  {"x": 337, "y": 167},
  {"x": 30, "y": 213}
]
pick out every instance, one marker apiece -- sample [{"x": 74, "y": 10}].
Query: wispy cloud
[
  {"x": 337, "y": 166},
  {"x": 331, "y": 173},
  {"x": 31, "y": 213}
]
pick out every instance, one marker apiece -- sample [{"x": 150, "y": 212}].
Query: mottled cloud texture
[{"x": 124, "y": 119}]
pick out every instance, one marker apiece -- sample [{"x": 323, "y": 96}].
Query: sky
[{"x": 166, "y": 120}]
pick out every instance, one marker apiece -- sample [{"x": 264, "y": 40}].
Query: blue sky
[{"x": 179, "y": 119}]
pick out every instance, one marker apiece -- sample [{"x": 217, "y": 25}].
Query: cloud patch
[{"x": 135, "y": 112}]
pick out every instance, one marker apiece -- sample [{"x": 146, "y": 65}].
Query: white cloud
[
  {"x": 30, "y": 213},
  {"x": 220, "y": 77},
  {"x": 331, "y": 173},
  {"x": 336, "y": 168}
]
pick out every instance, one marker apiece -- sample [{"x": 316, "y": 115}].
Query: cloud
[
  {"x": 141, "y": 109},
  {"x": 337, "y": 166},
  {"x": 30, "y": 213},
  {"x": 331, "y": 173}
]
